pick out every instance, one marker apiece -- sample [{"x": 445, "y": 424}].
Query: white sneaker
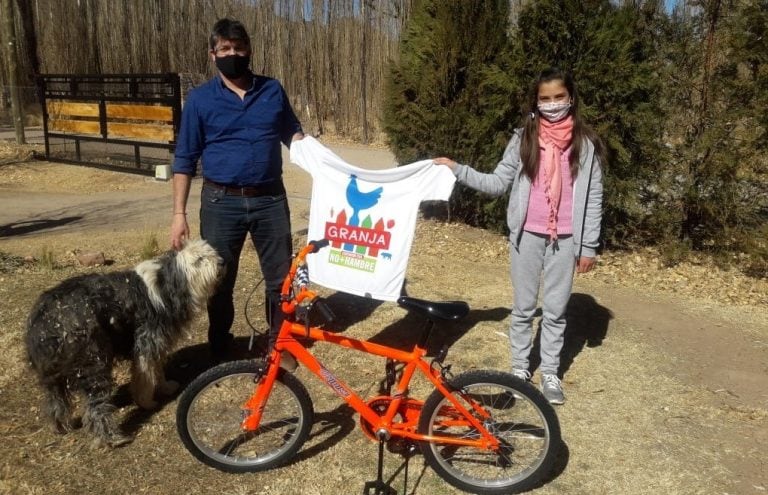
[
  {"x": 552, "y": 389},
  {"x": 522, "y": 374}
]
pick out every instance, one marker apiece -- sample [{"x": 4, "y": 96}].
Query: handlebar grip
[
  {"x": 325, "y": 310},
  {"x": 318, "y": 245}
]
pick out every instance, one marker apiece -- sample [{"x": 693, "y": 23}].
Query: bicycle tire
[
  {"x": 524, "y": 422},
  {"x": 209, "y": 415}
]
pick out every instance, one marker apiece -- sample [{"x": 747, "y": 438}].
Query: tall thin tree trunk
[
  {"x": 709, "y": 52},
  {"x": 30, "y": 38},
  {"x": 364, "y": 70},
  {"x": 9, "y": 29}
]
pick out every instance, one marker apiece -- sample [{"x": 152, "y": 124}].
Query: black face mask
[{"x": 233, "y": 66}]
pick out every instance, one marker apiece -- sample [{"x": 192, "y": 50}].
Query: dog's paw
[
  {"x": 65, "y": 426},
  {"x": 169, "y": 387},
  {"x": 112, "y": 440},
  {"x": 119, "y": 440}
]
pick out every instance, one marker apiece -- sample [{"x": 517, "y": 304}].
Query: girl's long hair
[{"x": 529, "y": 146}]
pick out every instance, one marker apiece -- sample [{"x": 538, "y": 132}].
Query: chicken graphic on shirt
[{"x": 359, "y": 200}]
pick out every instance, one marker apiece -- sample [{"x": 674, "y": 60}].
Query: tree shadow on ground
[
  {"x": 561, "y": 463},
  {"x": 406, "y": 332},
  {"x": 27, "y": 227},
  {"x": 332, "y": 426},
  {"x": 411, "y": 486},
  {"x": 348, "y": 310},
  {"x": 586, "y": 325}
]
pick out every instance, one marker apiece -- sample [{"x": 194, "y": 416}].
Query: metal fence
[{"x": 127, "y": 122}]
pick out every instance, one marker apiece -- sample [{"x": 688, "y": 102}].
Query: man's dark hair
[{"x": 228, "y": 29}]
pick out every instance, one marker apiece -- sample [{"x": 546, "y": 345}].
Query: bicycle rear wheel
[
  {"x": 210, "y": 412},
  {"x": 520, "y": 418}
]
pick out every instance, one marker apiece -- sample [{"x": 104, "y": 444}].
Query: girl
[{"x": 552, "y": 165}]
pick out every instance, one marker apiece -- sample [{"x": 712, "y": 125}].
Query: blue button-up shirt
[{"x": 237, "y": 140}]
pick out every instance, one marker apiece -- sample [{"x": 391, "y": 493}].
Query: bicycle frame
[
  {"x": 482, "y": 431},
  {"x": 287, "y": 342}
]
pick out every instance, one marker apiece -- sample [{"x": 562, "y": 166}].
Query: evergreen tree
[
  {"x": 606, "y": 47},
  {"x": 450, "y": 93},
  {"x": 717, "y": 129}
]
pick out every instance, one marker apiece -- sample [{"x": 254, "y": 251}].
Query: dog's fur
[{"x": 76, "y": 330}]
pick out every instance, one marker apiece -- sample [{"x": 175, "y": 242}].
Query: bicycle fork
[{"x": 254, "y": 407}]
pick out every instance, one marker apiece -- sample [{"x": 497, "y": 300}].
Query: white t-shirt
[{"x": 368, "y": 215}]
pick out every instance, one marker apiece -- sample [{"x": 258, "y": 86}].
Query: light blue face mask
[{"x": 554, "y": 111}]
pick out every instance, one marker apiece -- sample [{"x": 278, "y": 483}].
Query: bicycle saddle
[{"x": 449, "y": 310}]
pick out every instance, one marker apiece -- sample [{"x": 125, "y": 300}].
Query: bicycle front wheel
[
  {"x": 519, "y": 418},
  {"x": 210, "y": 412}
]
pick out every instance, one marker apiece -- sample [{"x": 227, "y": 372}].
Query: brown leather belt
[{"x": 272, "y": 189}]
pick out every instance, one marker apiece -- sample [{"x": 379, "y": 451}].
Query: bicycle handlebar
[{"x": 318, "y": 245}]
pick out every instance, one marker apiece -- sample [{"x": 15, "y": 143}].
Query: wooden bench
[{"x": 140, "y": 121}]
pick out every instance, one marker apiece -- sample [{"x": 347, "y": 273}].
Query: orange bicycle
[{"x": 482, "y": 431}]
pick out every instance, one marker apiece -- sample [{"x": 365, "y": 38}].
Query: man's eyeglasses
[{"x": 227, "y": 49}]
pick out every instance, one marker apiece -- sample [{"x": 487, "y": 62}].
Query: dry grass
[
  {"x": 13, "y": 153},
  {"x": 628, "y": 427},
  {"x": 55, "y": 178},
  {"x": 639, "y": 419}
]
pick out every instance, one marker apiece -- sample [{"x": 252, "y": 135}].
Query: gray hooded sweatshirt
[{"x": 587, "y": 193}]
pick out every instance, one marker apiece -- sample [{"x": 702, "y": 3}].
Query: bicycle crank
[{"x": 407, "y": 416}]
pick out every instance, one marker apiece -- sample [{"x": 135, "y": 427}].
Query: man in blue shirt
[{"x": 234, "y": 125}]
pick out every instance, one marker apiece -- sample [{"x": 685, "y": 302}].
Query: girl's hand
[
  {"x": 585, "y": 264},
  {"x": 445, "y": 161}
]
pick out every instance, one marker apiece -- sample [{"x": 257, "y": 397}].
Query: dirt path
[
  {"x": 69, "y": 201},
  {"x": 667, "y": 393}
]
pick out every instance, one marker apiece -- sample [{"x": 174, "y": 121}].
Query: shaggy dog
[{"x": 77, "y": 329}]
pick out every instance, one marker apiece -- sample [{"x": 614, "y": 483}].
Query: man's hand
[
  {"x": 585, "y": 264},
  {"x": 179, "y": 231}
]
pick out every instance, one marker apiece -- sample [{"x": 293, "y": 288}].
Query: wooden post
[{"x": 13, "y": 63}]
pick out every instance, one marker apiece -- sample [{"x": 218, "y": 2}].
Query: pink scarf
[{"x": 554, "y": 137}]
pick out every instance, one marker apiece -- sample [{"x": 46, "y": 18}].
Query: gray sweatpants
[{"x": 538, "y": 260}]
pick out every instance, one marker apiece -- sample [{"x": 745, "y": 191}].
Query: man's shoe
[
  {"x": 522, "y": 374},
  {"x": 552, "y": 389}
]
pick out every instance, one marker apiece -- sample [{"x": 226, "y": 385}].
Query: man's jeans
[{"x": 224, "y": 223}]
